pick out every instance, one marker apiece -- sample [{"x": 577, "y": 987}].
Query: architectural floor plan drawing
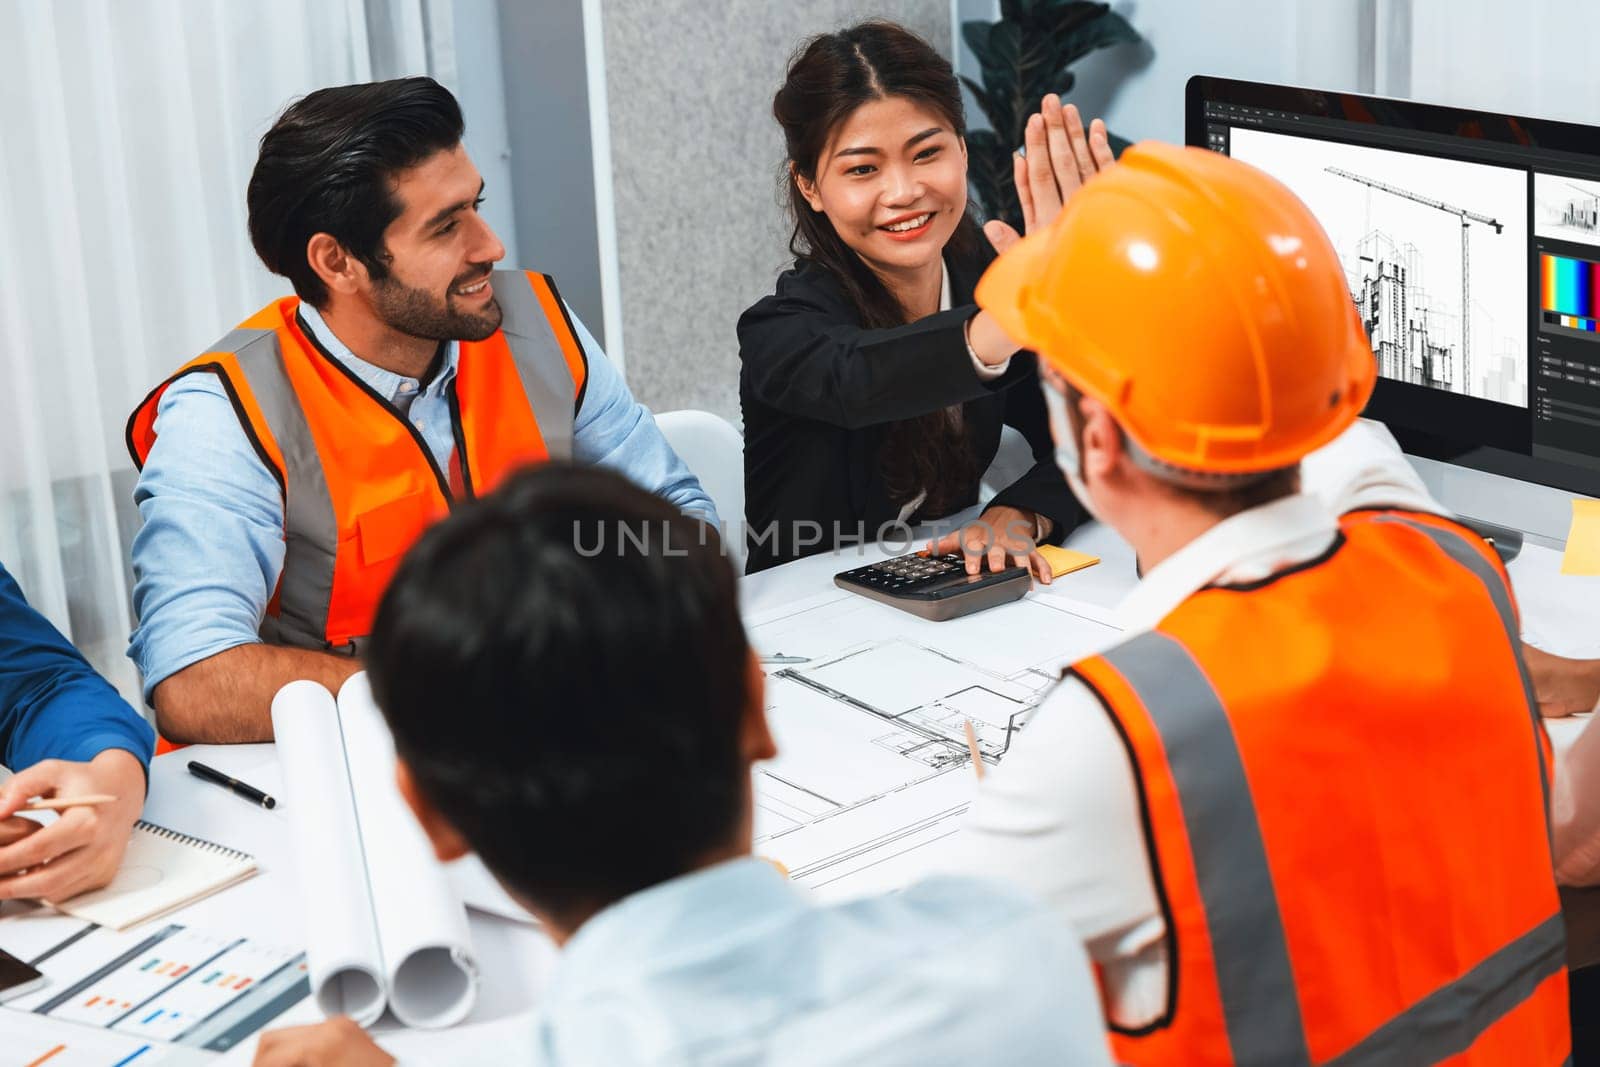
[
  {"x": 924, "y": 697},
  {"x": 873, "y": 769}
]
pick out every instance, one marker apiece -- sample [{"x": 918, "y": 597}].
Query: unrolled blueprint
[{"x": 868, "y": 706}]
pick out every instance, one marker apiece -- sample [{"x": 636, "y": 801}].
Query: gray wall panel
[
  {"x": 696, "y": 156},
  {"x": 475, "y": 30},
  {"x": 552, "y": 164}
]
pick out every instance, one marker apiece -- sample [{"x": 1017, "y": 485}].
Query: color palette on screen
[
  {"x": 1572, "y": 322},
  {"x": 1569, "y": 286}
]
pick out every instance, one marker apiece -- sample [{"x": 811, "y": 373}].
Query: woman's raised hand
[{"x": 1061, "y": 155}]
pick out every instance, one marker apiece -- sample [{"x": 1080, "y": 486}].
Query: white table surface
[
  {"x": 1561, "y": 613},
  {"x": 1104, "y": 584}
]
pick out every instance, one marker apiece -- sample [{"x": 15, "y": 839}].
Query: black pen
[{"x": 249, "y": 792}]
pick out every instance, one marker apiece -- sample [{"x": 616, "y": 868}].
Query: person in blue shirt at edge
[
  {"x": 286, "y": 469},
  {"x": 66, "y": 733},
  {"x": 628, "y": 834},
  {"x": 873, "y": 390}
]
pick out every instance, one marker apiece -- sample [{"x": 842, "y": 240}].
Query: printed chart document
[
  {"x": 868, "y": 706},
  {"x": 112, "y": 995},
  {"x": 384, "y": 924},
  {"x": 40, "y": 1042}
]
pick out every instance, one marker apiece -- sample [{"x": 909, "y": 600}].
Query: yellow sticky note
[
  {"x": 1583, "y": 539},
  {"x": 1066, "y": 560}
]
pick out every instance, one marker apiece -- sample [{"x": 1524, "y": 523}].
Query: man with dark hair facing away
[
  {"x": 604, "y": 712},
  {"x": 286, "y": 469}
]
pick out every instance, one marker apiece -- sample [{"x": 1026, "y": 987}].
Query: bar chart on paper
[
  {"x": 117, "y": 997},
  {"x": 32, "y": 1043}
]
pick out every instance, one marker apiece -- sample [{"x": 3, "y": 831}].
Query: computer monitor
[{"x": 1471, "y": 244}]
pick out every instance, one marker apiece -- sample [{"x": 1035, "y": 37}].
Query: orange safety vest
[
  {"x": 1343, "y": 779},
  {"x": 359, "y": 485}
]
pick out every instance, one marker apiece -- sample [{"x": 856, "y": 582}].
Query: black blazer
[{"x": 819, "y": 392}]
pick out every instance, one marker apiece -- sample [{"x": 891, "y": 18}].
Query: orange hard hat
[{"x": 1200, "y": 301}]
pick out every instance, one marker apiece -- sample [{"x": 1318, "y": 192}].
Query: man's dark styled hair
[
  {"x": 328, "y": 166},
  {"x": 564, "y": 670}
]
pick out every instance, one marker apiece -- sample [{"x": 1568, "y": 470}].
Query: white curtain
[{"x": 127, "y": 134}]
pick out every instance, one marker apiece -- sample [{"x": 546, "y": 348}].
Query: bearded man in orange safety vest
[{"x": 286, "y": 469}]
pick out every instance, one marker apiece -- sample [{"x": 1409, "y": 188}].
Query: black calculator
[{"x": 935, "y": 587}]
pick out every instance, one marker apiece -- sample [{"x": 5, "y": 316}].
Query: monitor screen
[{"x": 1471, "y": 245}]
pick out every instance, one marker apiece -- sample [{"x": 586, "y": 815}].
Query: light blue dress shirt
[
  {"x": 211, "y": 549},
  {"x": 735, "y": 965}
]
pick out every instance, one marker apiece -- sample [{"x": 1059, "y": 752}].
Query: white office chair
[{"x": 714, "y": 451}]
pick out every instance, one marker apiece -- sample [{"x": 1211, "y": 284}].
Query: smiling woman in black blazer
[{"x": 873, "y": 390}]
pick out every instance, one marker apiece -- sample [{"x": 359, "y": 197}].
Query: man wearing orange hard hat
[{"x": 1299, "y": 813}]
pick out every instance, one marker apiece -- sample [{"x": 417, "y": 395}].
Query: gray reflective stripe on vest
[
  {"x": 541, "y": 365},
  {"x": 1254, "y": 976},
  {"x": 1457, "y": 547},
  {"x": 1447, "y": 1021},
  {"x": 311, "y": 530}
]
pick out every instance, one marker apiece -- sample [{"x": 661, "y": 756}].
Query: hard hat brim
[{"x": 1008, "y": 292}]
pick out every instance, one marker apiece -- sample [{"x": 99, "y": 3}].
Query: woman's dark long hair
[{"x": 828, "y": 79}]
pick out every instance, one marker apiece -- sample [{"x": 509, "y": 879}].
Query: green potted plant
[{"x": 1024, "y": 56}]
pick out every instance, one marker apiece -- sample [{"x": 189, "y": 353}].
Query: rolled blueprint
[
  {"x": 385, "y": 925},
  {"x": 422, "y": 925},
  {"x": 342, "y": 953}
]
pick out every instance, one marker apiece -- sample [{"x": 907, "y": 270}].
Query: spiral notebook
[{"x": 162, "y": 870}]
